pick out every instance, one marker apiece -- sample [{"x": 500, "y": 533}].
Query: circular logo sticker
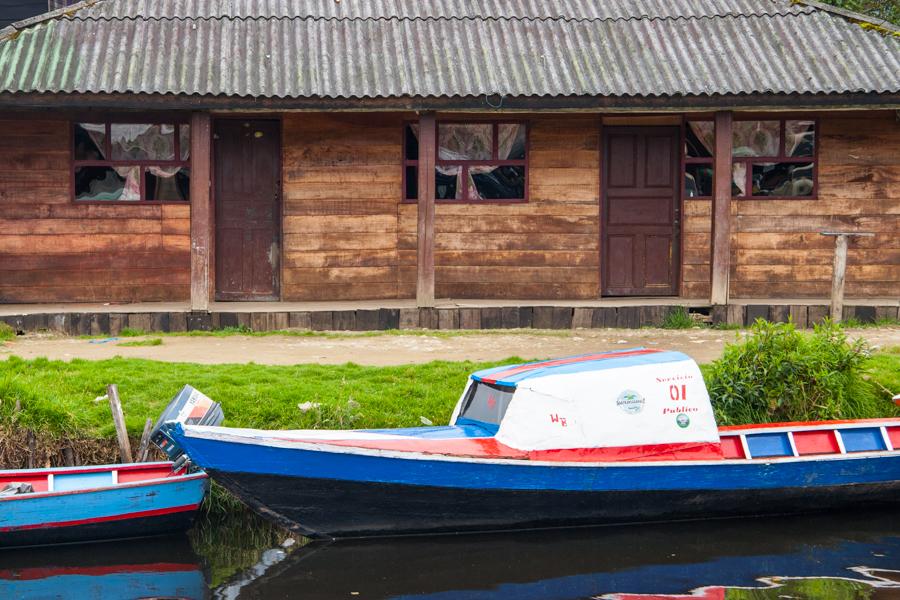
[
  {"x": 683, "y": 420},
  {"x": 630, "y": 401}
]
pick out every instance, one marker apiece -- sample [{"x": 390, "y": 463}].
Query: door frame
[
  {"x": 678, "y": 204},
  {"x": 279, "y": 193}
]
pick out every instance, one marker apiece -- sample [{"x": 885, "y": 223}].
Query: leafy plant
[{"x": 780, "y": 374}]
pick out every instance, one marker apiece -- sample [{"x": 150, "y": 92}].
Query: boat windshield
[{"x": 486, "y": 403}]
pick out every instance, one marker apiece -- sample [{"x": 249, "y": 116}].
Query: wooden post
[
  {"x": 837, "y": 278},
  {"x": 841, "y": 243},
  {"x": 425, "y": 221},
  {"x": 119, "y": 421},
  {"x": 201, "y": 209},
  {"x": 720, "y": 259},
  {"x": 144, "y": 446}
]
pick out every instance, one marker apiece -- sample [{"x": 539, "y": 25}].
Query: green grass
[
  {"x": 7, "y": 333},
  {"x": 678, "y": 318},
  {"x": 149, "y": 342},
  {"x": 58, "y": 397}
]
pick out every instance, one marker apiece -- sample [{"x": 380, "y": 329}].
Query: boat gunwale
[
  {"x": 118, "y": 486},
  {"x": 324, "y": 447},
  {"x": 90, "y": 468}
]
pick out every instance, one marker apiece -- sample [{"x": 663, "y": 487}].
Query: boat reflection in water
[
  {"x": 812, "y": 557},
  {"x": 128, "y": 570}
]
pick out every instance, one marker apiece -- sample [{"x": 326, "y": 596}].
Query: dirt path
[{"x": 702, "y": 344}]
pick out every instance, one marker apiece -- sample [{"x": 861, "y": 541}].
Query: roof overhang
[{"x": 495, "y": 103}]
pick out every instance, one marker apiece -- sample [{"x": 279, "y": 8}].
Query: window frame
[
  {"x": 465, "y": 164},
  {"x": 108, "y": 122},
  {"x": 748, "y": 161}
]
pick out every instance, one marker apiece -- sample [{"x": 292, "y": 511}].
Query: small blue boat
[
  {"x": 615, "y": 437},
  {"x": 76, "y": 504},
  {"x": 90, "y": 503}
]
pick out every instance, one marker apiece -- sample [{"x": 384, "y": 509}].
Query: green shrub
[
  {"x": 6, "y": 332},
  {"x": 779, "y": 374}
]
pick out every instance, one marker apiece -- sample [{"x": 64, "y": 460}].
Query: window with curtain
[
  {"x": 773, "y": 158},
  {"x": 131, "y": 162},
  {"x": 474, "y": 161}
]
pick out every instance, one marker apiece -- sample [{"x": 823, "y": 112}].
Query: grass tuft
[
  {"x": 678, "y": 318},
  {"x": 7, "y": 333},
  {"x": 148, "y": 342}
]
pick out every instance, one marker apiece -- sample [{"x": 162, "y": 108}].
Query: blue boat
[
  {"x": 76, "y": 504},
  {"x": 615, "y": 437},
  {"x": 89, "y": 503}
]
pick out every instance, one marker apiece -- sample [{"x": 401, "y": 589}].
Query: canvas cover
[{"x": 661, "y": 399}]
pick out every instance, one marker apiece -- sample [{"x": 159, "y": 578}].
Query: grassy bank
[{"x": 59, "y": 400}]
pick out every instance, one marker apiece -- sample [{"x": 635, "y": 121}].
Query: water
[{"x": 835, "y": 557}]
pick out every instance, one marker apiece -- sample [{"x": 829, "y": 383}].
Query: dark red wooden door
[
  {"x": 248, "y": 164},
  {"x": 640, "y": 211}
]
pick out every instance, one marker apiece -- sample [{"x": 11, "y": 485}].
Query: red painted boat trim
[
  {"x": 131, "y": 484},
  {"x": 87, "y": 469},
  {"x": 564, "y": 361},
  {"x": 46, "y": 572},
  {"x": 646, "y": 453},
  {"x": 884, "y": 421},
  {"x": 135, "y": 515}
]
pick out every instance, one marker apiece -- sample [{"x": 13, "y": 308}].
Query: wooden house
[{"x": 403, "y": 151}]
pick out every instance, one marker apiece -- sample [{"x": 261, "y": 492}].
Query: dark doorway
[
  {"x": 639, "y": 248},
  {"x": 247, "y": 183}
]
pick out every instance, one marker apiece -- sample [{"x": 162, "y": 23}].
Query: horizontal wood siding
[
  {"x": 342, "y": 179},
  {"x": 695, "y": 251},
  {"x": 777, "y": 251},
  {"x": 53, "y": 250},
  {"x": 544, "y": 249}
]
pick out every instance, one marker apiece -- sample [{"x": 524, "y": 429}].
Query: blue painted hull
[
  {"x": 129, "y": 510},
  {"x": 350, "y": 494}
]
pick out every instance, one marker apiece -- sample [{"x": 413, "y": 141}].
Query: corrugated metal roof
[
  {"x": 417, "y": 9},
  {"x": 448, "y": 48}
]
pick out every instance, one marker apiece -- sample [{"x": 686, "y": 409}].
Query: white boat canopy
[{"x": 634, "y": 397}]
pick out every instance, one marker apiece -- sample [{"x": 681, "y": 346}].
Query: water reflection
[
  {"x": 159, "y": 568},
  {"x": 821, "y": 557},
  {"x": 836, "y": 557}
]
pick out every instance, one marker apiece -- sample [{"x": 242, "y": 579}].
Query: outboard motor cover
[{"x": 190, "y": 407}]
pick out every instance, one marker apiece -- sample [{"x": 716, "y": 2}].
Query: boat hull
[{"x": 345, "y": 509}]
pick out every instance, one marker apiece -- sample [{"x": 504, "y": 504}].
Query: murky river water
[{"x": 835, "y": 557}]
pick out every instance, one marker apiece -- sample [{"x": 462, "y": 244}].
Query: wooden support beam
[
  {"x": 837, "y": 278},
  {"x": 425, "y": 222},
  {"x": 841, "y": 243},
  {"x": 720, "y": 261},
  {"x": 201, "y": 209}
]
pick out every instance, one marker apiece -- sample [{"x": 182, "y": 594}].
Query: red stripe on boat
[
  {"x": 564, "y": 361},
  {"x": 491, "y": 448},
  {"x": 135, "y": 515},
  {"x": 45, "y": 572},
  {"x": 888, "y": 421}
]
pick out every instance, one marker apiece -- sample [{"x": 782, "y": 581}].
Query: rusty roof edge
[
  {"x": 851, "y": 15},
  {"x": 13, "y": 29}
]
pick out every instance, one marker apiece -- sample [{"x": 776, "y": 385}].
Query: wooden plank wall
[
  {"x": 547, "y": 248},
  {"x": 776, "y": 248},
  {"x": 53, "y": 250},
  {"x": 342, "y": 179},
  {"x": 695, "y": 247}
]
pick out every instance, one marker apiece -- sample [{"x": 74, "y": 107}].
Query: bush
[
  {"x": 678, "y": 318},
  {"x": 779, "y": 374},
  {"x": 6, "y": 332}
]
